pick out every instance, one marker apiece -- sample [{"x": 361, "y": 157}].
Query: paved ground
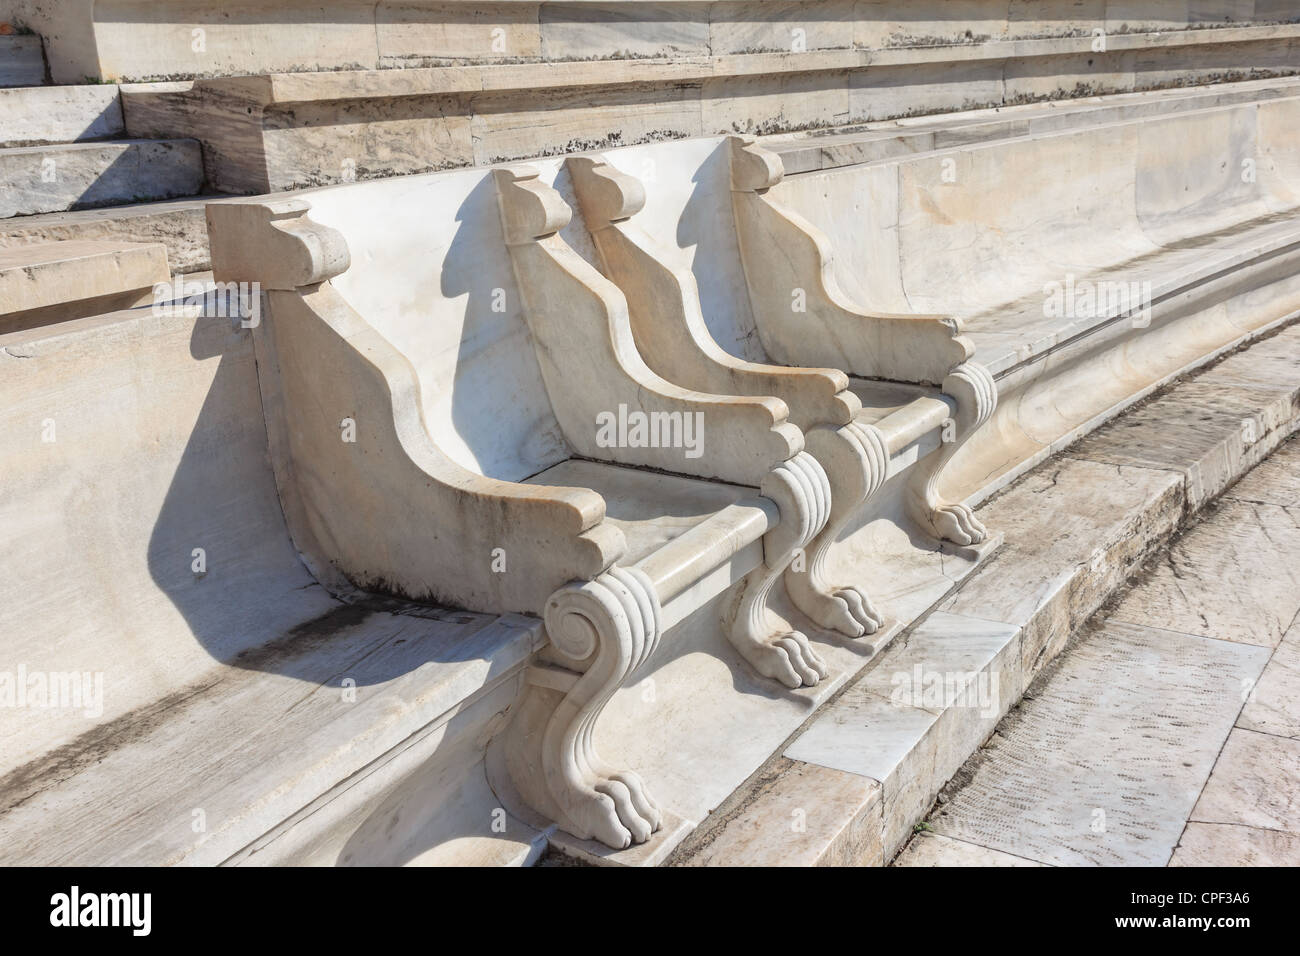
[{"x": 1169, "y": 732}]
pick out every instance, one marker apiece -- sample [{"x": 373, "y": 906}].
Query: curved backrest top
[
  {"x": 431, "y": 272},
  {"x": 967, "y": 229},
  {"x": 688, "y": 213}
]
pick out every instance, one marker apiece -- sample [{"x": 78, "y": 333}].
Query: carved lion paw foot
[
  {"x": 958, "y": 524},
  {"x": 621, "y": 811},
  {"x": 847, "y": 610},
  {"x": 787, "y": 658}
]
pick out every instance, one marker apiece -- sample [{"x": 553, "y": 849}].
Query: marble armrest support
[
  {"x": 664, "y": 304},
  {"x": 594, "y": 373},
  {"x": 388, "y": 511},
  {"x": 803, "y": 317}
]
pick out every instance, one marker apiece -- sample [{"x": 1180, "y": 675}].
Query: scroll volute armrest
[{"x": 273, "y": 243}]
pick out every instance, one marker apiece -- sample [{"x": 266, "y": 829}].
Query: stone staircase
[
  {"x": 70, "y": 171},
  {"x": 64, "y": 148}
]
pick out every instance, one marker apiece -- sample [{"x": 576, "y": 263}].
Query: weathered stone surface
[
  {"x": 317, "y": 143},
  {"x": 1276, "y": 481},
  {"x": 933, "y": 849},
  {"x": 888, "y": 92},
  {"x": 510, "y": 126},
  {"x": 913, "y": 719},
  {"x": 41, "y": 115},
  {"x": 415, "y": 34},
  {"x": 1103, "y": 762},
  {"x": 1075, "y": 530},
  {"x": 801, "y": 815},
  {"x": 21, "y": 61},
  {"x": 241, "y": 38},
  {"x": 1270, "y": 365},
  {"x": 773, "y": 104},
  {"x": 1223, "y": 844},
  {"x": 1255, "y": 783},
  {"x": 1274, "y": 706},
  {"x": 178, "y": 224},
  {"x": 598, "y": 31},
  {"x": 623, "y": 59},
  {"x": 1209, "y": 430},
  {"x": 80, "y": 175},
  {"x": 1224, "y": 423},
  {"x": 1232, "y": 578},
  {"x": 781, "y": 26},
  {"x": 61, "y": 280},
  {"x": 895, "y": 744},
  {"x": 827, "y": 149}
]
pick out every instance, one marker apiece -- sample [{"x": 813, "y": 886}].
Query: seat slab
[
  {"x": 653, "y": 509},
  {"x": 252, "y": 744},
  {"x": 1015, "y": 333},
  {"x": 882, "y": 399}
]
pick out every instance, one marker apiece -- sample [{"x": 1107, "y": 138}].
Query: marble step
[
  {"x": 873, "y": 142},
  {"x": 22, "y": 61},
  {"x": 284, "y": 130},
  {"x": 55, "y": 281},
  {"x": 44, "y": 115},
  {"x": 42, "y": 179},
  {"x": 867, "y": 768},
  {"x": 179, "y": 224}
]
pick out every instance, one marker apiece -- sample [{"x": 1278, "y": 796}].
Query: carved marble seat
[
  {"x": 699, "y": 273},
  {"x": 1087, "y": 265},
  {"x": 453, "y": 395}
]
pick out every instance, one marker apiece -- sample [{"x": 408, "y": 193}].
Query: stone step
[
  {"x": 1199, "y": 658},
  {"x": 56, "y": 281},
  {"x": 1076, "y": 528},
  {"x": 275, "y": 131},
  {"x": 22, "y": 61},
  {"x": 40, "y": 179},
  {"x": 44, "y": 115},
  {"x": 874, "y": 142},
  {"x": 179, "y": 224},
  {"x": 259, "y": 37}
]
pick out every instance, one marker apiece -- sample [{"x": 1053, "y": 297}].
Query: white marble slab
[
  {"x": 933, "y": 849},
  {"x": 1255, "y": 783},
  {"x": 1232, "y": 578},
  {"x": 1274, "y": 704},
  {"x": 1215, "y": 844},
  {"x": 802, "y": 814},
  {"x": 1103, "y": 764}
]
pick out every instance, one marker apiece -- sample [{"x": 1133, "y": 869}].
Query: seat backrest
[
  {"x": 430, "y": 271},
  {"x": 688, "y": 213},
  {"x": 967, "y": 229},
  {"x": 143, "y": 532}
]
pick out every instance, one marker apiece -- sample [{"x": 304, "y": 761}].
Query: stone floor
[{"x": 1168, "y": 733}]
